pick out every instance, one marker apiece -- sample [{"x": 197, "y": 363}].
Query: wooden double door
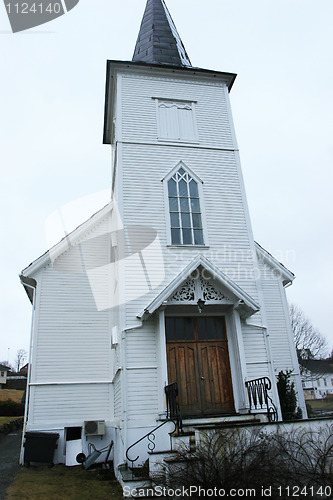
[{"x": 198, "y": 360}]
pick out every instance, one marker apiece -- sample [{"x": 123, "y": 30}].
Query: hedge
[{"x": 10, "y": 408}]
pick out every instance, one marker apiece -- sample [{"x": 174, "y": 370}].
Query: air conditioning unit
[{"x": 94, "y": 427}]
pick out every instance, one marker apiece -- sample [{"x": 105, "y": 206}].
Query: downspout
[
  {"x": 27, "y": 394},
  {"x": 124, "y": 379},
  {"x": 124, "y": 388}
]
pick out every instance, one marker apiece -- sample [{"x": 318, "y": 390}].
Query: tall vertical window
[
  {"x": 176, "y": 121},
  {"x": 184, "y": 208}
]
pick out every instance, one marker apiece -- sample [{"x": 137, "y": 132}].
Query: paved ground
[{"x": 9, "y": 457}]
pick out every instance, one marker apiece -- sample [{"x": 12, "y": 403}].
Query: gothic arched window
[{"x": 184, "y": 209}]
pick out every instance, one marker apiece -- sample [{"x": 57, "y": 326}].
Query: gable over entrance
[{"x": 201, "y": 280}]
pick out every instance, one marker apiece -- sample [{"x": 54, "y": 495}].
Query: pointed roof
[
  {"x": 158, "y": 41},
  {"x": 242, "y": 300},
  {"x": 58, "y": 249}
]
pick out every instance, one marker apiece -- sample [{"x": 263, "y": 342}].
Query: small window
[
  {"x": 184, "y": 209},
  {"x": 325, "y": 382},
  {"x": 176, "y": 121},
  {"x": 211, "y": 328},
  {"x": 2, "y": 374},
  {"x": 179, "y": 329}
]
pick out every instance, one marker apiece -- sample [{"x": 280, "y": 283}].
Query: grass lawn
[
  {"x": 320, "y": 404},
  {"x": 4, "y": 420},
  {"x": 60, "y": 482},
  {"x": 12, "y": 394}
]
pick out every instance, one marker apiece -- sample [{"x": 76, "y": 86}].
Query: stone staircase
[{"x": 160, "y": 461}]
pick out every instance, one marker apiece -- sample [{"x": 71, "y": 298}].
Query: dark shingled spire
[{"x": 158, "y": 41}]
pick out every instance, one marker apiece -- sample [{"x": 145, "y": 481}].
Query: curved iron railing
[
  {"x": 173, "y": 415},
  {"x": 259, "y": 399},
  {"x": 151, "y": 438}
]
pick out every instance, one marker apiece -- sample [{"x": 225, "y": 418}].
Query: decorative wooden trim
[
  {"x": 179, "y": 144},
  {"x": 244, "y": 301},
  {"x": 192, "y": 79}
]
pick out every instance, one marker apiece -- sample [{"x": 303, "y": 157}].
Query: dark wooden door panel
[
  {"x": 182, "y": 368},
  {"x": 214, "y": 369},
  {"x": 200, "y": 367}
]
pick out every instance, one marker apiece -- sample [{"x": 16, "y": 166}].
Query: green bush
[
  {"x": 288, "y": 398},
  {"x": 10, "y": 408}
]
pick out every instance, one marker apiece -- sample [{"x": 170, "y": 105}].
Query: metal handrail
[
  {"x": 173, "y": 415},
  {"x": 173, "y": 409},
  {"x": 151, "y": 445},
  {"x": 257, "y": 391}
]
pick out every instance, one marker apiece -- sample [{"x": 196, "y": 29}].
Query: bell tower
[{"x": 176, "y": 171}]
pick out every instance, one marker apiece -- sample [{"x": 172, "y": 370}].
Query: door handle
[{"x": 202, "y": 378}]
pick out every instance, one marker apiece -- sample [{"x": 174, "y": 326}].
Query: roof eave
[
  {"x": 286, "y": 275},
  {"x": 30, "y": 286},
  {"x": 65, "y": 243}
]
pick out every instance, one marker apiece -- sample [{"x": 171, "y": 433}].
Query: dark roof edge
[
  {"x": 188, "y": 69},
  {"x": 4, "y": 368},
  {"x": 106, "y": 103},
  {"x": 29, "y": 285}
]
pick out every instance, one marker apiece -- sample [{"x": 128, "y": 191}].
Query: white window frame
[
  {"x": 199, "y": 182},
  {"x": 194, "y": 140}
]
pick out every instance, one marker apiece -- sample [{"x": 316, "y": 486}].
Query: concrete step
[
  {"x": 157, "y": 461},
  {"x": 133, "y": 479},
  {"x": 193, "y": 424}
]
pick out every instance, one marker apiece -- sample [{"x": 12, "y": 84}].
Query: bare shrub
[{"x": 250, "y": 459}]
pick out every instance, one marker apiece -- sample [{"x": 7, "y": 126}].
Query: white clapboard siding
[
  {"x": 255, "y": 371},
  {"x": 254, "y": 345},
  {"x": 142, "y": 393},
  {"x": 142, "y": 374},
  {"x": 70, "y": 404},
  {"x": 117, "y": 397},
  {"x": 276, "y": 320},
  {"x": 72, "y": 333},
  {"x": 144, "y": 167},
  {"x": 139, "y": 108},
  {"x": 141, "y": 345}
]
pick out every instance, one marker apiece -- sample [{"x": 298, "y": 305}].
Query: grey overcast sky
[{"x": 51, "y": 114}]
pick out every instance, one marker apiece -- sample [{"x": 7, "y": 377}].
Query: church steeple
[{"x": 158, "y": 41}]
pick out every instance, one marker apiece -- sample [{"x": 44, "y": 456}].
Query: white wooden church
[{"x": 164, "y": 290}]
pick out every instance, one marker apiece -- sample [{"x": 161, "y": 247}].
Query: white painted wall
[
  {"x": 71, "y": 368},
  {"x": 77, "y": 371},
  {"x": 322, "y": 385},
  {"x": 3, "y": 376},
  {"x": 279, "y": 329},
  {"x": 144, "y": 161}
]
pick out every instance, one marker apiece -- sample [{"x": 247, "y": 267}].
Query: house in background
[
  {"x": 3, "y": 375},
  {"x": 317, "y": 378},
  {"x": 163, "y": 293}
]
